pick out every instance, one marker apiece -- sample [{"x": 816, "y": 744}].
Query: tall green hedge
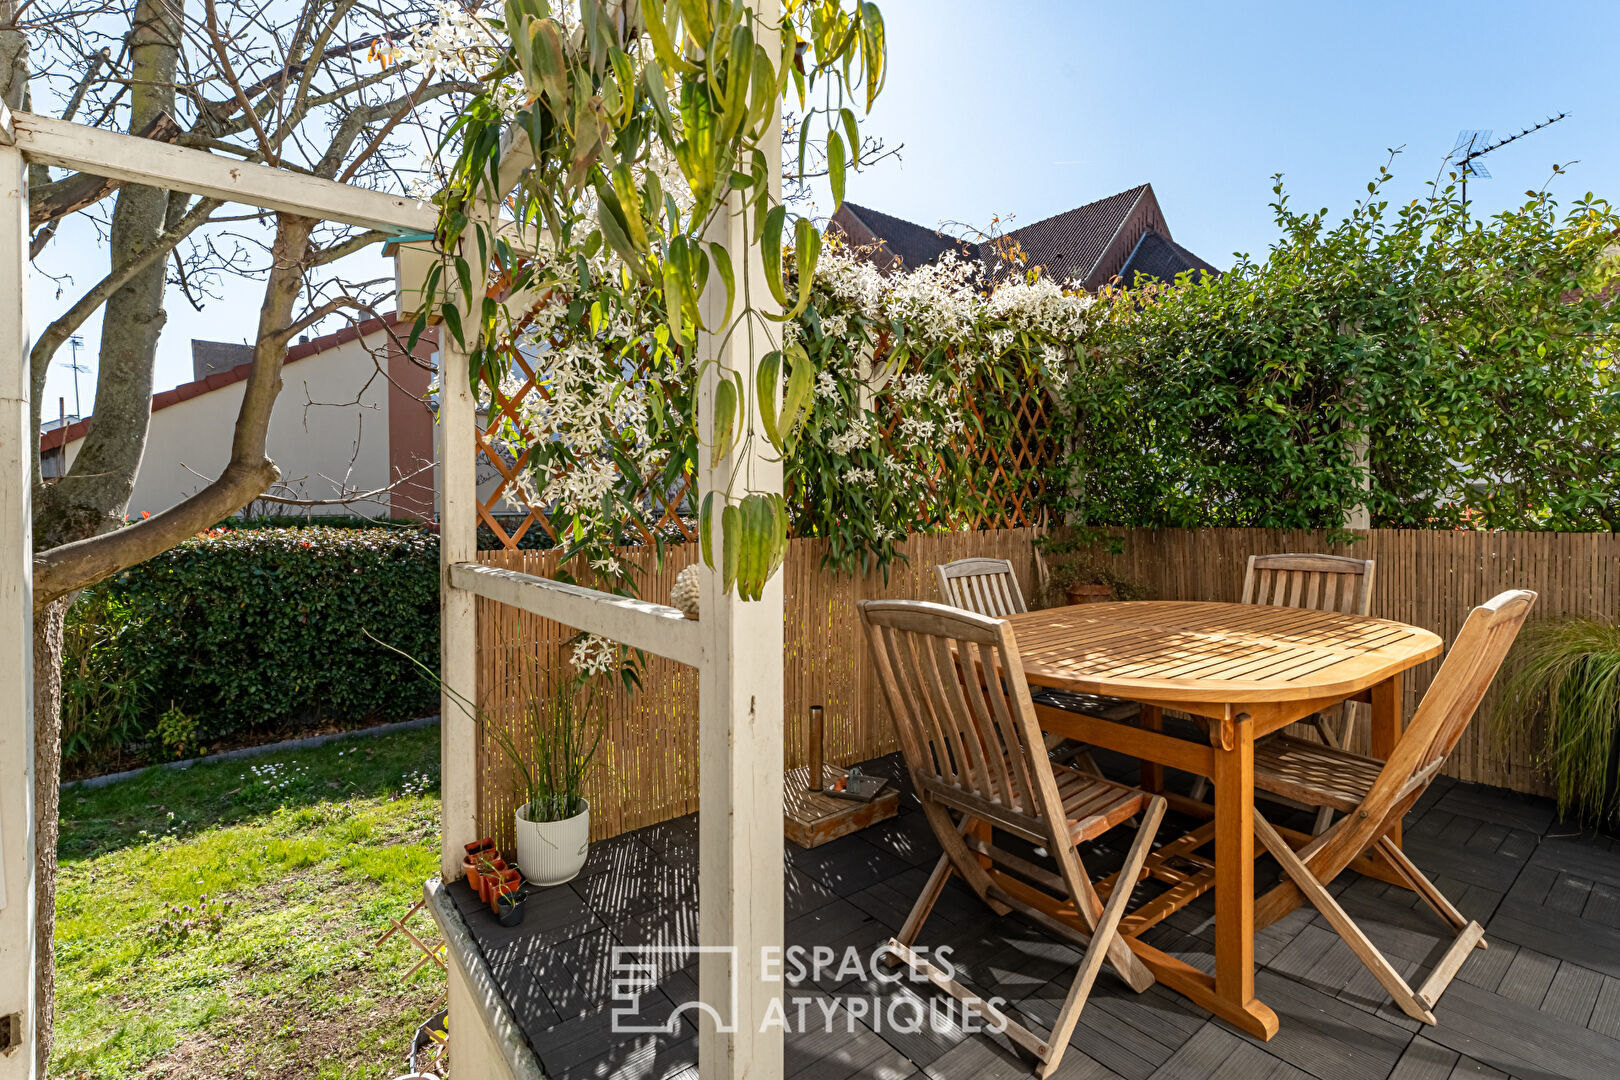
[
  {"x": 266, "y": 628},
  {"x": 1473, "y": 359}
]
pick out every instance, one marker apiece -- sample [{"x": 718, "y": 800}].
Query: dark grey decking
[{"x": 1543, "y": 1001}]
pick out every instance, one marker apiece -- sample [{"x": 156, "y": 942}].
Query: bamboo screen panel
[
  {"x": 1427, "y": 578},
  {"x": 648, "y": 770}
]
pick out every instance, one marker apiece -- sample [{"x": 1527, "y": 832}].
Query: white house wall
[{"x": 329, "y": 434}]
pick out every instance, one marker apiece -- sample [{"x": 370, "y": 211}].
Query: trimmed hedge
[{"x": 263, "y": 629}]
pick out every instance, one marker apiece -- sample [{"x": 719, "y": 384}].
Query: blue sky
[{"x": 1029, "y": 109}]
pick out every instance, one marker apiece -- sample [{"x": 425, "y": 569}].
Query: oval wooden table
[{"x": 1249, "y": 670}]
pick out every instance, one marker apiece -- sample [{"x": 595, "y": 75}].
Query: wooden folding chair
[
  {"x": 1316, "y": 583},
  {"x": 989, "y": 587},
  {"x": 1374, "y": 796},
  {"x": 962, "y": 709}
]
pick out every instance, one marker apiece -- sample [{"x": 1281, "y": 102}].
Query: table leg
[
  {"x": 1386, "y": 728},
  {"x": 1234, "y": 862},
  {"x": 1152, "y": 776}
]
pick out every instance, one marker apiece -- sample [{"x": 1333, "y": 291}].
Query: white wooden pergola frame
[{"x": 736, "y": 647}]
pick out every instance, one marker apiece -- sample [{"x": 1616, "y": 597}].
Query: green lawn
[{"x": 287, "y": 868}]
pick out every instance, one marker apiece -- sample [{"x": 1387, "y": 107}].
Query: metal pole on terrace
[{"x": 16, "y": 626}]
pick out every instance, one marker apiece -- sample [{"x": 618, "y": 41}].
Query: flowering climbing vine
[
  {"x": 915, "y": 373},
  {"x": 646, "y": 124}
]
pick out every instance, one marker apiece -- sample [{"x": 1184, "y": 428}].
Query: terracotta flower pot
[
  {"x": 485, "y": 844},
  {"x": 1089, "y": 594},
  {"x": 469, "y": 870},
  {"x": 488, "y": 878}
]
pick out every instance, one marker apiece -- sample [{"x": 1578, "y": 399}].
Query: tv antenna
[
  {"x": 77, "y": 343},
  {"x": 1475, "y": 143}
]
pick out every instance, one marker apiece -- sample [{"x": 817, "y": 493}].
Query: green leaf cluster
[
  {"x": 260, "y": 630},
  {"x": 646, "y": 124},
  {"x": 1441, "y": 370}
]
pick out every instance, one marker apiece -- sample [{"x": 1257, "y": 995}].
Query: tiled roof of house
[
  {"x": 77, "y": 430},
  {"x": 1089, "y": 245},
  {"x": 912, "y": 244},
  {"x": 1071, "y": 245},
  {"x": 1160, "y": 257}
]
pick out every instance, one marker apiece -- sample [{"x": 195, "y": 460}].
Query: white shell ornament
[{"x": 684, "y": 594}]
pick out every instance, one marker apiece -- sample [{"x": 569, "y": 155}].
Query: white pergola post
[
  {"x": 740, "y": 728},
  {"x": 27, "y": 138},
  {"x": 16, "y": 630},
  {"x": 458, "y": 616}
]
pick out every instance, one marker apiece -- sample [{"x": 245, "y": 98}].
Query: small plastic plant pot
[
  {"x": 469, "y": 870},
  {"x": 509, "y": 908},
  {"x": 506, "y": 885},
  {"x": 485, "y": 844}
]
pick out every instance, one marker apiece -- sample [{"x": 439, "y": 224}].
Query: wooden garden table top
[{"x": 1197, "y": 652}]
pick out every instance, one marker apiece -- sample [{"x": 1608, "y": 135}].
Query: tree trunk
[
  {"x": 47, "y": 769},
  {"x": 93, "y": 497}
]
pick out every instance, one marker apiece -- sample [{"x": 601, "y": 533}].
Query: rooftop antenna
[
  {"x": 1475, "y": 143},
  {"x": 78, "y": 369}
]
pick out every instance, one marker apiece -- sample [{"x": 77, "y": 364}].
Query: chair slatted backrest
[
  {"x": 971, "y": 742},
  {"x": 986, "y": 586},
  {"x": 1317, "y": 582},
  {"x": 1443, "y": 714}
]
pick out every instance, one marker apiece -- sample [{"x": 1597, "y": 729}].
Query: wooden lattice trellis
[
  {"x": 1009, "y": 471},
  {"x": 503, "y": 410}
]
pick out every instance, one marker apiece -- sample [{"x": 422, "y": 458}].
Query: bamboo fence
[{"x": 648, "y": 769}]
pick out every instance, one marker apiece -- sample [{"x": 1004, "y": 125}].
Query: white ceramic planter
[{"x": 552, "y": 852}]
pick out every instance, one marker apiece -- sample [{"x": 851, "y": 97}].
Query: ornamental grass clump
[
  {"x": 1566, "y": 689},
  {"x": 564, "y": 733}
]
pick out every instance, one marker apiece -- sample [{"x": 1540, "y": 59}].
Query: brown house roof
[
  {"x": 910, "y": 244},
  {"x": 1162, "y": 258},
  {"x": 1090, "y": 244},
  {"x": 1071, "y": 245},
  {"x": 77, "y": 430}
]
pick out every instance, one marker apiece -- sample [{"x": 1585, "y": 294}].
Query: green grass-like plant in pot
[
  {"x": 552, "y": 746},
  {"x": 553, "y": 821},
  {"x": 1565, "y": 692}
]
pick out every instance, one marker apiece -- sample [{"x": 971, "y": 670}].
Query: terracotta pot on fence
[{"x": 1089, "y": 594}]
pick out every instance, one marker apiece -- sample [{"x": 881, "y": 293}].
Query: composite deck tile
[
  {"x": 589, "y": 1037},
  {"x": 654, "y": 883},
  {"x": 1603, "y": 905},
  {"x": 1573, "y": 993},
  {"x": 1606, "y": 1012},
  {"x": 1568, "y": 937},
  {"x": 802, "y": 894},
  {"x": 1214, "y": 1052},
  {"x": 1499, "y": 806},
  {"x": 1519, "y": 1039},
  {"x": 1541, "y": 1003},
  {"x": 1528, "y": 977},
  {"x": 1425, "y": 1060},
  {"x": 992, "y": 1058}
]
